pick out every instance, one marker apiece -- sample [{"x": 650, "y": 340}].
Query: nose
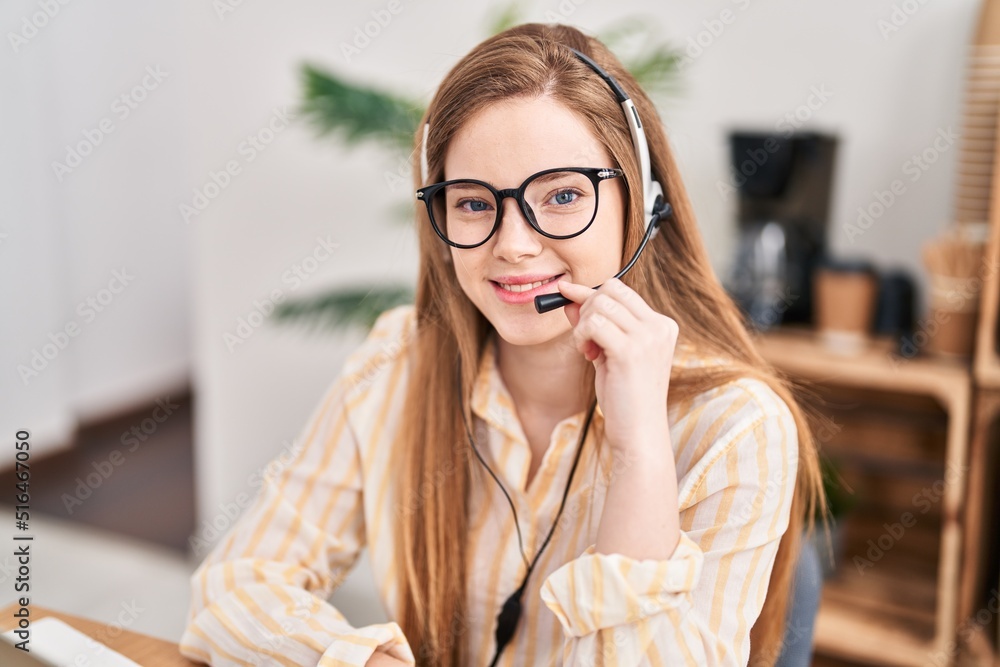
[{"x": 516, "y": 237}]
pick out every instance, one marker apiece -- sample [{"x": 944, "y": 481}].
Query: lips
[
  {"x": 524, "y": 287},
  {"x": 519, "y": 290}
]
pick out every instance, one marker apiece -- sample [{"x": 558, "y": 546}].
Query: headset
[
  {"x": 655, "y": 210},
  {"x": 655, "y": 207}
]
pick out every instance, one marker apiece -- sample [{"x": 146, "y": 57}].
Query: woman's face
[{"x": 503, "y": 145}]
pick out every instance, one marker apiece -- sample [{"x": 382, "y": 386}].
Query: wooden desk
[{"x": 143, "y": 649}]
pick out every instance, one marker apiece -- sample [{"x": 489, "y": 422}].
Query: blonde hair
[{"x": 673, "y": 276}]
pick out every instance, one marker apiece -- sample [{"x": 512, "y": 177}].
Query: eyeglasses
[{"x": 558, "y": 203}]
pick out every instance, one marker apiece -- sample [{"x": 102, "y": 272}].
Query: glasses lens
[
  {"x": 464, "y": 212},
  {"x": 563, "y": 202}
]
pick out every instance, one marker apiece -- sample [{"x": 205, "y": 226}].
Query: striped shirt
[{"x": 262, "y": 593}]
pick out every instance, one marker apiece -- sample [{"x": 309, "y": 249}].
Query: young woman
[{"x": 622, "y": 481}]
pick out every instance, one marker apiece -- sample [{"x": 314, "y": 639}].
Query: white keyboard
[{"x": 57, "y": 644}]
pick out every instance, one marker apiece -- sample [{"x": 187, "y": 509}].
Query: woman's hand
[{"x": 632, "y": 348}]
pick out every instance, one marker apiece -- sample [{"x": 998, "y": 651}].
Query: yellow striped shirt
[{"x": 261, "y": 593}]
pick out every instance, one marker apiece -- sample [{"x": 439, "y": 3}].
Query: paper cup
[
  {"x": 954, "y": 311},
  {"x": 845, "y": 307}
]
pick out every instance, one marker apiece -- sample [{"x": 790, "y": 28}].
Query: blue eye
[
  {"x": 472, "y": 206},
  {"x": 565, "y": 197}
]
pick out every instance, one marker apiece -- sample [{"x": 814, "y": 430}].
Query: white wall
[
  {"x": 70, "y": 229},
  {"x": 227, "y": 74}
]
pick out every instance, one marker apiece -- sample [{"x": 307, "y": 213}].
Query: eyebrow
[
  {"x": 470, "y": 178},
  {"x": 547, "y": 177},
  {"x": 550, "y": 177},
  {"x": 466, "y": 186}
]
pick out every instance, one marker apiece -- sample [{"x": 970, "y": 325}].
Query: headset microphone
[{"x": 655, "y": 209}]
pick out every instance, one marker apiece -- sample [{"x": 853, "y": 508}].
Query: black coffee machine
[{"x": 783, "y": 181}]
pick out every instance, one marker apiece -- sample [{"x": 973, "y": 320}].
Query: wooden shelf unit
[
  {"x": 987, "y": 352},
  {"x": 861, "y": 617}
]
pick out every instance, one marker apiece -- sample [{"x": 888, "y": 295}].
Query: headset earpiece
[
  {"x": 660, "y": 210},
  {"x": 654, "y": 194}
]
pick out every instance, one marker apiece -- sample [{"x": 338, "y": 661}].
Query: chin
[{"x": 530, "y": 328}]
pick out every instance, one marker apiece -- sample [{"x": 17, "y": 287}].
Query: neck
[{"x": 543, "y": 379}]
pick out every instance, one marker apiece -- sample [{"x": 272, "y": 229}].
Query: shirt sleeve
[
  {"x": 698, "y": 606},
  {"x": 259, "y": 597}
]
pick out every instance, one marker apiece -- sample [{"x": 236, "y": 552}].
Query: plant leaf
[
  {"x": 656, "y": 66},
  {"x": 344, "y": 308},
  {"x": 356, "y": 112}
]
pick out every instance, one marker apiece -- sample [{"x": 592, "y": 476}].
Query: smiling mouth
[{"x": 527, "y": 287}]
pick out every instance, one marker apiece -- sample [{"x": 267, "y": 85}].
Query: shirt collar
[
  {"x": 490, "y": 398},
  {"x": 492, "y": 401}
]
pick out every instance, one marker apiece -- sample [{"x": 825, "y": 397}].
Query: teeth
[{"x": 526, "y": 287}]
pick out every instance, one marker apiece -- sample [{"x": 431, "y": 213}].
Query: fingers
[
  {"x": 572, "y": 311},
  {"x": 606, "y": 301},
  {"x": 600, "y": 322},
  {"x": 613, "y": 288},
  {"x": 600, "y": 331},
  {"x": 574, "y": 292},
  {"x": 628, "y": 298},
  {"x": 616, "y": 318}
]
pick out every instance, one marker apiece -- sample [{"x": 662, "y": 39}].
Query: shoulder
[
  {"x": 741, "y": 400},
  {"x": 745, "y": 399},
  {"x": 385, "y": 346},
  {"x": 743, "y": 421}
]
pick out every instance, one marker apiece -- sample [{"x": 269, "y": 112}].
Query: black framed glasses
[{"x": 558, "y": 203}]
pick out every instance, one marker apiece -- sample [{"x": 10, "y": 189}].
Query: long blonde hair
[{"x": 673, "y": 276}]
